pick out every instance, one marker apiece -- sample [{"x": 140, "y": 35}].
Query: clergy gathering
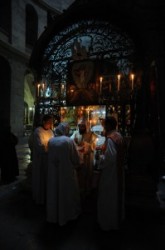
[
  {"x": 82, "y": 125},
  {"x": 63, "y": 166}
]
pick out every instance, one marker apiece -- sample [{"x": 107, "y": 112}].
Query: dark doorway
[{"x": 5, "y": 85}]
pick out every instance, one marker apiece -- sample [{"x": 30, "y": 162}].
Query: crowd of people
[{"x": 62, "y": 170}]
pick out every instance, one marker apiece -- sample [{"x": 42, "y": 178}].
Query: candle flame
[
  {"x": 132, "y": 76},
  {"x": 118, "y": 76}
]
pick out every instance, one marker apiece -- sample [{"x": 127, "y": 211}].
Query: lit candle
[
  {"x": 132, "y": 81},
  {"x": 71, "y": 89},
  {"x": 101, "y": 79},
  {"x": 88, "y": 113},
  {"x": 90, "y": 122},
  {"x": 118, "y": 82},
  {"x": 38, "y": 90},
  {"x": 62, "y": 89}
]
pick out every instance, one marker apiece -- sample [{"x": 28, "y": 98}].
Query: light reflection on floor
[{"x": 23, "y": 153}]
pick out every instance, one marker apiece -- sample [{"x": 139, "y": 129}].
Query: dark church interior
[{"x": 95, "y": 59}]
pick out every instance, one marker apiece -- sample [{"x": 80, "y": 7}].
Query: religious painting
[
  {"x": 82, "y": 83},
  {"x": 91, "y": 82}
]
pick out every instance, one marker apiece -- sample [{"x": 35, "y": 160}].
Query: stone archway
[
  {"x": 88, "y": 49},
  {"x": 113, "y": 33}
]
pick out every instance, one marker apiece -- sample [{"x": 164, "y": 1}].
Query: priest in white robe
[
  {"x": 63, "y": 195},
  {"x": 111, "y": 190},
  {"x": 41, "y": 136}
]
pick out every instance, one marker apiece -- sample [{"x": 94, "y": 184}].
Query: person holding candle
[{"x": 41, "y": 136}]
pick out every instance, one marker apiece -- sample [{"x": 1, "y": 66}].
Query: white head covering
[{"x": 62, "y": 129}]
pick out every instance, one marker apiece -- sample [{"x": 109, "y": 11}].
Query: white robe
[
  {"x": 108, "y": 210},
  {"x": 85, "y": 145},
  {"x": 39, "y": 163},
  {"x": 63, "y": 196}
]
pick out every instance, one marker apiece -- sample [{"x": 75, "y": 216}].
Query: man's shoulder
[
  {"x": 37, "y": 129},
  {"x": 116, "y": 137}
]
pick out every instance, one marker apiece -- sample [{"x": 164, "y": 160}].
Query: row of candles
[
  {"x": 132, "y": 77},
  {"x": 43, "y": 90}
]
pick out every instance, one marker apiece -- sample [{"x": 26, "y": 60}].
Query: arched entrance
[
  {"x": 90, "y": 62},
  {"x": 95, "y": 62}
]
